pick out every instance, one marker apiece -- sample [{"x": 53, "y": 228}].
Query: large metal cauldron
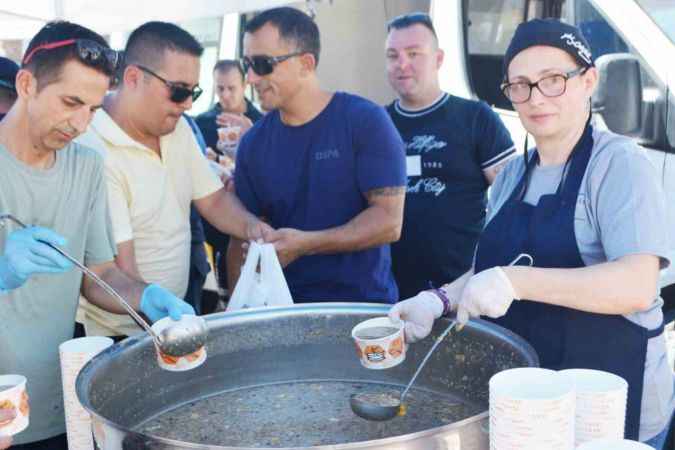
[{"x": 123, "y": 386}]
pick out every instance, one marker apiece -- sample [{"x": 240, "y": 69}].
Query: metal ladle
[
  {"x": 186, "y": 337},
  {"x": 365, "y": 408}
]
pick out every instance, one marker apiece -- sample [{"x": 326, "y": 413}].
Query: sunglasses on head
[
  {"x": 89, "y": 52},
  {"x": 264, "y": 65},
  {"x": 178, "y": 91}
]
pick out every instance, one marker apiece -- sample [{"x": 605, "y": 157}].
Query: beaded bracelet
[{"x": 446, "y": 301}]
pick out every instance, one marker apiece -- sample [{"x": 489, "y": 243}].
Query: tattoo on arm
[{"x": 389, "y": 191}]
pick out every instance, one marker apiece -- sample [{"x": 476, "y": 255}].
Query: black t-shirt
[{"x": 448, "y": 146}]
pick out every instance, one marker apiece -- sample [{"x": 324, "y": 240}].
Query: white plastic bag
[{"x": 265, "y": 288}]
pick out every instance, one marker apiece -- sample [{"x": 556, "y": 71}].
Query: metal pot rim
[{"x": 255, "y": 314}]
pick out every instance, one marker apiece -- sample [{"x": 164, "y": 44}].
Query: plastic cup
[
  {"x": 177, "y": 363},
  {"x": 13, "y": 396},
  {"x": 379, "y": 352},
  {"x": 601, "y": 401},
  {"x": 614, "y": 444},
  {"x": 228, "y": 139}
]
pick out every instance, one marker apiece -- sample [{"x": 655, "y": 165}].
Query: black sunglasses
[
  {"x": 408, "y": 20},
  {"x": 264, "y": 65},
  {"x": 179, "y": 93},
  {"x": 89, "y": 52}
]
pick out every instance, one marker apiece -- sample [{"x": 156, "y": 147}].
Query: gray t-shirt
[
  {"x": 620, "y": 211},
  {"x": 69, "y": 198}
]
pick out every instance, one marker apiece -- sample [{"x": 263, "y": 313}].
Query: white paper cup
[
  {"x": 531, "y": 408},
  {"x": 73, "y": 355},
  {"x": 601, "y": 401},
  {"x": 383, "y": 352},
  {"x": 614, "y": 444},
  {"x": 13, "y": 396},
  {"x": 177, "y": 363}
]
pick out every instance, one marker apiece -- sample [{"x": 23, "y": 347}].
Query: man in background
[
  {"x": 454, "y": 150},
  {"x": 232, "y": 108}
]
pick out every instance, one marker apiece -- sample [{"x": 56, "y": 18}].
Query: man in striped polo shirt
[{"x": 455, "y": 148}]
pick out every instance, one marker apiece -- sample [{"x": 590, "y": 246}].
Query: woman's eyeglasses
[
  {"x": 264, "y": 65},
  {"x": 549, "y": 86},
  {"x": 178, "y": 92},
  {"x": 89, "y": 52}
]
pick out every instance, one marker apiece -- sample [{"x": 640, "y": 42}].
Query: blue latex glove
[
  {"x": 157, "y": 303},
  {"x": 26, "y": 254}
]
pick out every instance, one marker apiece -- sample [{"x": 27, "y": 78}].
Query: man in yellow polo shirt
[{"x": 155, "y": 168}]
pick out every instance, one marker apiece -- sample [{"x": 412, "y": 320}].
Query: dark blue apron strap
[{"x": 658, "y": 331}]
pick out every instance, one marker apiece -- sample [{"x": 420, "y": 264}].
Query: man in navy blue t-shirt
[
  {"x": 454, "y": 149},
  {"x": 327, "y": 170}
]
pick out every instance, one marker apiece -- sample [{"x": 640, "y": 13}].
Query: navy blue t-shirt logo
[{"x": 327, "y": 154}]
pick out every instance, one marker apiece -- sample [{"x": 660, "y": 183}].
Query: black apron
[{"x": 563, "y": 338}]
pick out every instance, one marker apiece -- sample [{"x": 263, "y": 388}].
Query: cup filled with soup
[{"x": 380, "y": 343}]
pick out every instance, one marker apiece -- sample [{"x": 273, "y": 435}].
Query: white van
[{"x": 634, "y": 43}]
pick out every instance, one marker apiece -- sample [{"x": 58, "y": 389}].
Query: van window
[
  {"x": 604, "y": 40},
  {"x": 491, "y": 25}
]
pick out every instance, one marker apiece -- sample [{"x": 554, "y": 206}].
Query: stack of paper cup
[
  {"x": 614, "y": 444},
  {"x": 74, "y": 354},
  {"x": 531, "y": 409},
  {"x": 600, "y": 404}
]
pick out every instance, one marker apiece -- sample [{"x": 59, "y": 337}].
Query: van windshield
[{"x": 662, "y": 13}]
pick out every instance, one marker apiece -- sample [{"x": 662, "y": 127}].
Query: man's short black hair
[
  {"x": 225, "y": 65},
  {"x": 46, "y": 65},
  {"x": 408, "y": 20},
  {"x": 294, "y": 26},
  {"x": 148, "y": 43}
]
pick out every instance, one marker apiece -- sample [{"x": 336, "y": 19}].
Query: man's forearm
[
  {"x": 225, "y": 212},
  {"x": 373, "y": 227},
  {"x": 131, "y": 290}
]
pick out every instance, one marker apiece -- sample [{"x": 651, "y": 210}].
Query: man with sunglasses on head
[
  {"x": 454, "y": 149},
  {"x": 8, "y": 71},
  {"x": 155, "y": 168},
  {"x": 326, "y": 169},
  {"x": 57, "y": 188}
]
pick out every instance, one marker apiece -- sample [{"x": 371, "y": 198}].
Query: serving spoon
[
  {"x": 380, "y": 407},
  {"x": 388, "y": 406},
  {"x": 181, "y": 339}
]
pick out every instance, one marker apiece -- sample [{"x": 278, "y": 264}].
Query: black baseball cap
[
  {"x": 8, "y": 70},
  {"x": 552, "y": 33}
]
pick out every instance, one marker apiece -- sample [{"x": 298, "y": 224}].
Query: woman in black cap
[{"x": 587, "y": 207}]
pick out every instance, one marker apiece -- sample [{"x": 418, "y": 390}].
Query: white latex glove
[
  {"x": 488, "y": 293},
  {"x": 419, "y": 313}
]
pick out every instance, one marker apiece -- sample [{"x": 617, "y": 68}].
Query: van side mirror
[{"x": 618, "y": 97}]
